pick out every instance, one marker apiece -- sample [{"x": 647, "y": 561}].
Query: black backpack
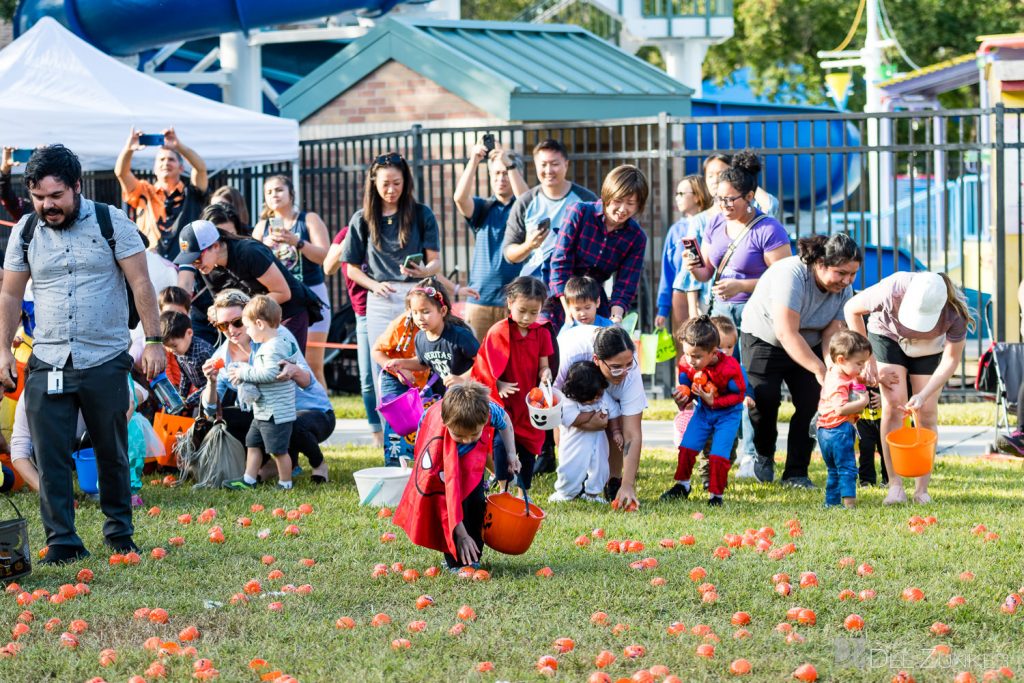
[{"x": 107, "y": 230}]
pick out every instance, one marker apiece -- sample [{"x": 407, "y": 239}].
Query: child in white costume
[{"x": 589, "y": 419}]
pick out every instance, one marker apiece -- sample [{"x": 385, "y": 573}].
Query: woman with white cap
[{"x": 917, "y": 326}]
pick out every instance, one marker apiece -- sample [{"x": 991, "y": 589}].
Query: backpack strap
[
  {"x": 28, "y": 231},
  {"x": 106, "y": 226}
]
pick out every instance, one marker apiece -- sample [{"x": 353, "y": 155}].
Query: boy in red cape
[
  {"x": 443, "y": 504},
  {"x": 515, "y": 356}
]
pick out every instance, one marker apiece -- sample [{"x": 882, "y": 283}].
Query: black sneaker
[
  {"x": 611, "y": 489},
  {"x": 544, "y": 464},
  {"x": 1013, "y": 444},
  {"x": 678, "y": 490},
  {"x": 238, "y": 485},
  {"x": 715, "y": 501},
  {"x": 798, "y": 483},
  {"x": 64, "y": 554},
  {"x": 122, "y": 544},
  {"x": 764, "y": 469}
]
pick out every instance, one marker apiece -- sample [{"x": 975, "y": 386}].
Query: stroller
[{"x": 1000, "y": 373}]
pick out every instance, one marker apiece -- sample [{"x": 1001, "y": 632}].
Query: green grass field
[
  {"x": 519, "y": 614},
  {"x": 966, "y": 414}
]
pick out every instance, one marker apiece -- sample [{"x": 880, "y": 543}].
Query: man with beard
[{"x": 80, "y": 355}]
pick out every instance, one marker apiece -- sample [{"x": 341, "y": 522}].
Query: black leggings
[
  {"x": 473, "y": 507},
  {"x": 767, "y": 368}
]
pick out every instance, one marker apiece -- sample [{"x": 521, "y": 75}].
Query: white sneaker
[
  {"x": 746, "y": 468},
  {"x": 557, "y": 497},
  {"x": 593, "y": 498}
]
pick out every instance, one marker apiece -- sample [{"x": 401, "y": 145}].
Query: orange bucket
[
  {"x": 912, "y": 449},
  {"x": 168, "y": 429},
  {"x": 18, "y": 481},
  {"x": 15, "y": 393},
  {"x": 508, "y": 528}
]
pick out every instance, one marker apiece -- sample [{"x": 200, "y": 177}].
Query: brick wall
[
  {"x": 394, "y": 93},
  {"x": 6, "y": 34}
]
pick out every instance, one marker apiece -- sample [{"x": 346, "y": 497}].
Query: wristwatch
[{"x": 300, "y": 244}]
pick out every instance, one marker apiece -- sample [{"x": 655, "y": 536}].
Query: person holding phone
[
  {"x": 489, "y": 272},
  {"x": 300, "y": 241},
  {"x": 391, "y": 227},
  {"x": 13, "y": 204},
  {"x": 529, "y": 241},
  {"x": 679, "y": 293},
  {"x": 162, "y": 208}
]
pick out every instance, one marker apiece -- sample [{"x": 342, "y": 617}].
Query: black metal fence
[{"x": 936, "y": 190}]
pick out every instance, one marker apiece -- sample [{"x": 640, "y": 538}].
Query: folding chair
[{"x": 1000, "y": 372}]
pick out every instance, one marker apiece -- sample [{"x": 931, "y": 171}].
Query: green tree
[
  {"x": 778, "y": 40},
  {"x": 7, "y": 9}
]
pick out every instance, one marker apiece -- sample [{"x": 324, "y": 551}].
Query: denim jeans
[
  {"x": 838, "y": 450},
  {"x": 734, "y": 311},
  {"x": 366, "y": 387}
]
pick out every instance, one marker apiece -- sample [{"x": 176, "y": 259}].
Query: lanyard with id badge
[{"x": 55, "y": 382}]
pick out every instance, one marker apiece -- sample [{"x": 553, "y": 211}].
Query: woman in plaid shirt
[{"x": 602, "y": 239}]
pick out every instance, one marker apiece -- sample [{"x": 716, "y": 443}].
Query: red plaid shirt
[{"x": 585, "y": 247}]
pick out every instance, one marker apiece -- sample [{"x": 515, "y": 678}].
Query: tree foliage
[
  {"x": 778, "y": 40},
  {"x": 7, "y": 9}
]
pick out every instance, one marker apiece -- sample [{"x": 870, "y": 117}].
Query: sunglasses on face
[
  {"x": 223, "y": 327},
  {"x": 393, "y": 159}
]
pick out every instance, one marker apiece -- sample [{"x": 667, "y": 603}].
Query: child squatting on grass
[
  {"x": 443, "y": 504},
  {"x": 715, "y": 382},
  {"x": 837, "y": 412},
  {"x": 274, "y": 408}
]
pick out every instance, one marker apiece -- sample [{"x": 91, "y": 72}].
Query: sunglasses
[
  {"x": 223, "y": 327},
  {"x": 393, "y": 159}
]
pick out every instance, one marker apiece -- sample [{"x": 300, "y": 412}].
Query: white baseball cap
[
  {"x": 923, "y": 302},
  {"x": 193, "y": 239}
]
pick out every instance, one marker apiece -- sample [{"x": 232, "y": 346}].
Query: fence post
[
  {"x": 664, "y": 171},
  {"x": 1000, "y": 255},
  {"x": 416, "y": 132}
]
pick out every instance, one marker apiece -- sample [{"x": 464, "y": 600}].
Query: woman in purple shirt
[{"x": 760, "y": 240}]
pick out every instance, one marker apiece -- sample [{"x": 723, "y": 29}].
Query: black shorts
[
  {"x": 270, "y": 436},
  {"x": 888, "y": 351}
]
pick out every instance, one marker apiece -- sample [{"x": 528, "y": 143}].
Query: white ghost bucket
[{"x": 547, "y": 419}]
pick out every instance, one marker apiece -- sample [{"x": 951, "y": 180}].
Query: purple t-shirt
[{"x": 747, "y": 262}]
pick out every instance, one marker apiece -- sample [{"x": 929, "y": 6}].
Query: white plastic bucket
[
  {"x": 547, "y": 419},
  {"x": 381, "y": 486}
]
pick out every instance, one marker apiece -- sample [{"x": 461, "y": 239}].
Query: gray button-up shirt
[{"x": 81, "y": 304}]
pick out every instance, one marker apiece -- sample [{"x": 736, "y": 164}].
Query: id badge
[{"x": 55, "y": 382}]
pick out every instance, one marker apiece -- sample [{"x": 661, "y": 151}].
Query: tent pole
[{"x": 295, "y": 182}]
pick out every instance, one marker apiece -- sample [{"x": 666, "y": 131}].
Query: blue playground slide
[{"x": 126, "y": 27}]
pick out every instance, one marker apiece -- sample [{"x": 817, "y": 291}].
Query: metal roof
[
  {"x": 935, "y": 79},
  {"x": 514, "y": 71}
]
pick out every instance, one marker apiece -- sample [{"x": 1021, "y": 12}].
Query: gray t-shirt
[
  {"x": 81, "y": 304},
  {"x": 528, "y": 211},
  {"x": 791, "y": 282},
  {"x": 384, "y": 264}
]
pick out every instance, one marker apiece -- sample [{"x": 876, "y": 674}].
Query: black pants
[
  {"x": 310, "y": 429},
  {"x": 473, "y": 507},
  {"x": 870, "y": 439},
  {"x": 101, "y": 393},
  {"x": 526, "y": 460},
  {"x": 237, "y": 422},
  {"x": 767, "y": 368}
]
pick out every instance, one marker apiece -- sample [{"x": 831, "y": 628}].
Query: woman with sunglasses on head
[
  {"x": 614, "y": 353},
  {"x": 225, "y": 260},
  {"x": 300, "y": 241},
  {"x": 314, "y": 421},
  {"x": 679, "y": 293},
  {"x": 392, "y": 242}
]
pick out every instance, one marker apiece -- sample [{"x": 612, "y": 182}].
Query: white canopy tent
[{"x": 55, "y": 87}]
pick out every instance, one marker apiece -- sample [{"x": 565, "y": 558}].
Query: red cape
[
  {"x": 492, "y": 360},
  {"x": 431, "y": 505}
]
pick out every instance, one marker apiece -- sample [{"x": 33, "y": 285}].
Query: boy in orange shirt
[{"x": 838, "y": 409}]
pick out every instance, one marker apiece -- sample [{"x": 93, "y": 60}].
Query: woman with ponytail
[
  {"x": 917, "y": 325},
  {"x": 795, "y": 309}
]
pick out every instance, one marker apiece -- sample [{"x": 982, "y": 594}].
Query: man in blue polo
[
  {"x": 79, "y": 254},
  {"x": 489, "y": 272}
]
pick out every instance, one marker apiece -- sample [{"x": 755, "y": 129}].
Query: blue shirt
[
  {"x": 674, "y": 276},
  {"x": 498, "y": 420},
  {"x": 489, "y": 271},
  {"x": 599, "y": 321}
]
